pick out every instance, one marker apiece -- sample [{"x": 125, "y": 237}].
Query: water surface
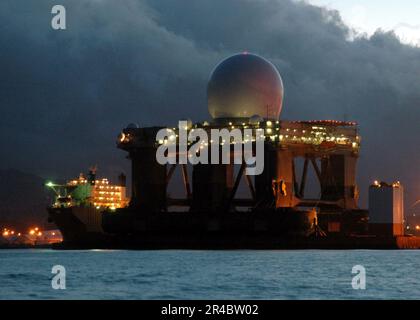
[{"x": 184, "y": 274}]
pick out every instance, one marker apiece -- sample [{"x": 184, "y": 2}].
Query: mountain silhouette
[{"x": 23, "y": 200}]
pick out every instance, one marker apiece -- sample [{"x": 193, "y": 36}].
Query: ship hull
[
  {"x": 127, "y": 229},
  {"x": 80, "y": 226}
]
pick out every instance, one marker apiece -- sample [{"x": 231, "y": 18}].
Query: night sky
[{"x": 65, "y": 95}]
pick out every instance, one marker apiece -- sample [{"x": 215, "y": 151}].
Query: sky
[
  {"x": 66, "y": 95},
  {"x": 367, "y": 16}
]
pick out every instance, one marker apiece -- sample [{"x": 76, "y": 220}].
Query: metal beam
[
  {"x": 179, "y": 202},
  {"x": 317, "y": 171},
  {"x": 236, "y": 185},
  {"x": 303, "y": 180},
  {"x": 250, "y": 185},
  {"x": 295, "y": 184},
  {"x": 186, "y": 180},
  {"x": 170, "y": 173}
]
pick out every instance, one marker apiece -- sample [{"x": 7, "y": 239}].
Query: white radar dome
[{"x": 245, "y": 85}]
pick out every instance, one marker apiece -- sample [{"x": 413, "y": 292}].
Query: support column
[
  {"x": 275, "y": 185},
  {"x": 338, "y": 174},
  {"x": 149, "y": 180}
]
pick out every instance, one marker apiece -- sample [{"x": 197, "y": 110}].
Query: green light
[{"x": 49, "y": 184}]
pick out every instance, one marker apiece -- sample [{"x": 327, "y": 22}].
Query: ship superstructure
[
  {"x": 79, "y": 204},
  {"x": 89, "y": 191}
]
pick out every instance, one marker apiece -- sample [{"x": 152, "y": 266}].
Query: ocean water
[{"x": 185, "y": 274}]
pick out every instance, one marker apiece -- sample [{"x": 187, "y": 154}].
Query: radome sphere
[{"x": 245, "y": 85}]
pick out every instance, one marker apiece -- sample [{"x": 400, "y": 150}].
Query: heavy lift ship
[{"x": 244, "y": 91}]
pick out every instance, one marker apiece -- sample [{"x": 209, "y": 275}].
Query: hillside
[{"x": 23, "y": 199}]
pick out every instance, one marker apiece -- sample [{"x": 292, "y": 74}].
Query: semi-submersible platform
[{"x": 222, "y": 207}]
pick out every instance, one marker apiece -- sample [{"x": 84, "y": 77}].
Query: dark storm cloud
[{"x": 65, "y": 94}]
